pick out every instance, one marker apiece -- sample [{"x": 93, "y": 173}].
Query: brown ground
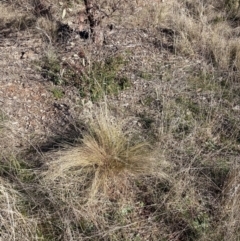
[{"x": 26, "y": 98}]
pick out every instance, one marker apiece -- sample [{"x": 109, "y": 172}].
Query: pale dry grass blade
[
  {"x": 231, "y": 205},
  {"x": 14, "y": 225}
]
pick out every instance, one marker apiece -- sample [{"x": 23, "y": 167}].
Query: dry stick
[
  {"x": 94, "y": 22},
  {"x": 90, "y": 14}
]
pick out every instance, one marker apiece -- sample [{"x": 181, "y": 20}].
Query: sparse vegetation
[
  {"x": 51, "y": 68},
  {"x": 103, "y": 78},
  {"x": 14, "y": 224},
  {"x": 151, "y": 116},
  {"x": 12, "y": 19}
]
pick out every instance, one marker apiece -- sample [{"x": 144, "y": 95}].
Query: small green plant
[
  {"x": 51, "y": 68},
  {"x": 145, "y": 75},
  {"x": 57, "y": 93},
  {"x": 104, "y": 79},
  {"x": 16, "y": 168}
]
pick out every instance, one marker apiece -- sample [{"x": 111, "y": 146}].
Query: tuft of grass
[
  {"x": 57, "y": 93},
  {"x": 51, "y": 67},
  {"x": 104, "y": 78},
  {"x": 107, "y": 151},
  {"x": 16, "y": 168},
  {"x": 231, "y": 204}
]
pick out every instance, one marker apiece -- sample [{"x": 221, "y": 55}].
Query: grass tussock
[
  {"x": 106, "y": 150},
  {"x": 99, "y": 185}
]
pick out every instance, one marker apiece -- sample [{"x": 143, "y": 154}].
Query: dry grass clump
[
  {"x": 7, "y": 15},
  {"x": 125, "y": 213},
  {"x": 14, "y": 19},
  {"x": 231, "y": 205},
  {"x": 206, "y": 30},
  {"x": 203, "y": 31},
  {"x": 106, "y": 150},
  {"x": 14, "y": 224},
  {"x": 99, "y": 186}
]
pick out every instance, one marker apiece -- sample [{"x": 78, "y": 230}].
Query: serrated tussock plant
[{"x": 106, "y": 150}]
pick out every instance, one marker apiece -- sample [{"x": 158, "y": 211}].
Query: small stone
[{"x": 236, "y": 108}]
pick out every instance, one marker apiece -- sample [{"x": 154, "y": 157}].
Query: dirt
[{"x": 26, "y": 98}]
